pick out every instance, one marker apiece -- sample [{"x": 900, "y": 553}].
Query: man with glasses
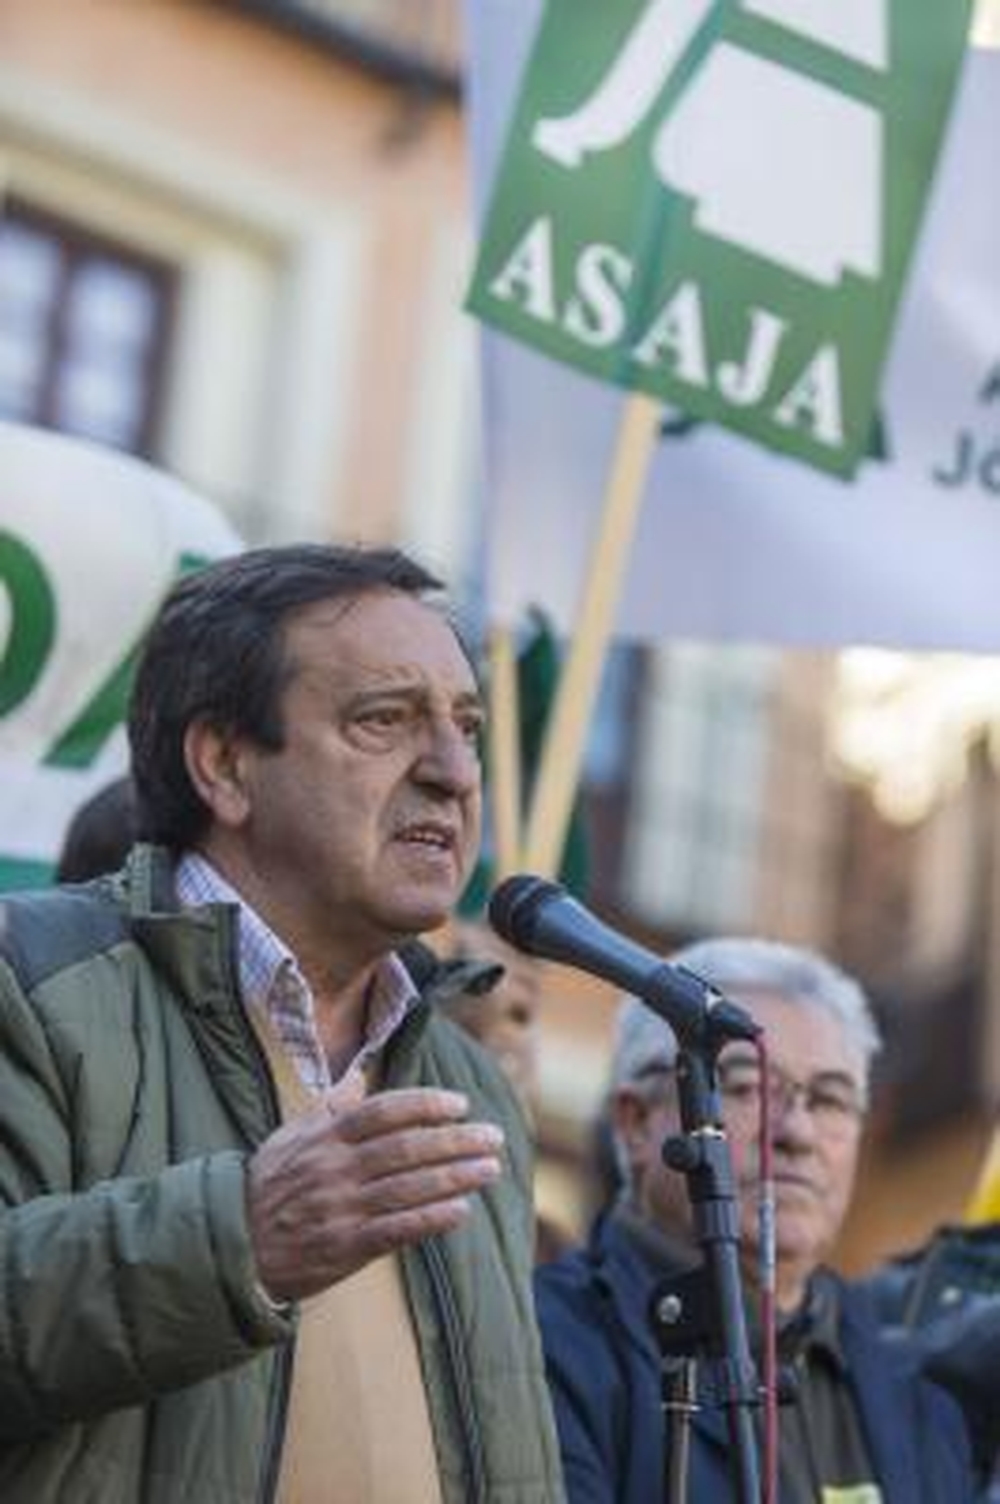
[{"x": 862, "y": 1428}]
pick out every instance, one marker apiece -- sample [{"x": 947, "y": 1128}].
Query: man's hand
[{"x": 359, "y": 1178}]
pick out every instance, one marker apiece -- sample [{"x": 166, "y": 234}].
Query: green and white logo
[
  {"x": 90, "y": 542},
  {"x": 715, "y": 201}
]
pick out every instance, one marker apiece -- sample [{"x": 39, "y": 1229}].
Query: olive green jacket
[{"x": 139, "y": 1362}]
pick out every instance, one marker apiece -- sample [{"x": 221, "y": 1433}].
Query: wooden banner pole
[{"x": 504, "y": 752}]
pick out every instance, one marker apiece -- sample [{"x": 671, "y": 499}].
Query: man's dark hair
[{"x": 215, "y": 653}]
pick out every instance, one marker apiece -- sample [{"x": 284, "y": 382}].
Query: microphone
[{"x": 541, "y": 919}]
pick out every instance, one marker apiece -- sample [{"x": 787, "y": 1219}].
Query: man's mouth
[
  {"x": 428, "y": 835},
  {"x": 797, "y": 1184}
]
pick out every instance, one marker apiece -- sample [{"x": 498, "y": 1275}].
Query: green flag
[
  {"x": 715, "y": 202},
  {"x": 538, "y": 667}
]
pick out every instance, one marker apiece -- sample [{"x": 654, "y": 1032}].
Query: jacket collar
[
  {"x": 195, "y": 952},
  {"x": 878, "y": 1385},
  {"x": 628, "y": 1278},
  {"x": 194, "y": 949},
  {"x": 627, "y": 1272}
]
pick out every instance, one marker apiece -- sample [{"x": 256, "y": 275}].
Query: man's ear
[{"x": 214, "y": 763}]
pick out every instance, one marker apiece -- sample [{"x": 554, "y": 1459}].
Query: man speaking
[{"x": 264, "y": 1217}]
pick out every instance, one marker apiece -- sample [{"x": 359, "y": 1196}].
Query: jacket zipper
[
  {"x": 277, "y": 1412},
  {"x": 431, "y": 1256},
  {"x": 472, "y": 1443},
  {"x": 280, "y": 1386}
]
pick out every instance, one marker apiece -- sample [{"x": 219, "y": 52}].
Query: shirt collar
[
  {"x": 262, "y": 954},
  {"x": 816, "y": 1324},
  {"x": 271, "y": 979},
  {"x": 662, "y": 1251}
]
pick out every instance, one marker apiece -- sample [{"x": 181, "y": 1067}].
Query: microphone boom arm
[{"x": 541, "y": 919}]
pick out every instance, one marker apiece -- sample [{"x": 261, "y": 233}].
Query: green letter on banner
[{"x": 32, "y": 621}]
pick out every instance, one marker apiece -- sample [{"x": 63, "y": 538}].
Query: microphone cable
[{"x": 767, "y": 1273}]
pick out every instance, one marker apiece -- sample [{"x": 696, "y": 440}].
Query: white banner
[
  {"x": 90, "y": 542},
  {"x": 734, "y": 542}
]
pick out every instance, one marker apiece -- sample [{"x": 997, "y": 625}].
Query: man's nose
[
  {"x": 792, "y": 1120},
  {"x": 449, "y": 759}
]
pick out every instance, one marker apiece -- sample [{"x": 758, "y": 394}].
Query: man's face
[
  {"x": 365, "y": 825},
  {"x": 816, "y": 1121},
  {"x": 815, "y": 1135},
  {"x": 645, "y": 1113}
]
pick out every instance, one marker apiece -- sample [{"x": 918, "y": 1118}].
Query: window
[
  {"x": 694, "y": 839},
  {"x": 84, "y": 330}
]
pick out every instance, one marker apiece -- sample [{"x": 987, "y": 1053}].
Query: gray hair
[{"x": 735, "y": 965}]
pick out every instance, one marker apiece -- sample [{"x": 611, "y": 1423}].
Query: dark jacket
[
  {"x": 139, "y": 1361},
  {"x": 942, "y": 1303},
  {"x": 604, "y": 1375}
]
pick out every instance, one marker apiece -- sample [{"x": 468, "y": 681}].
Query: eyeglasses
[{"x": 833, "y": 1099}]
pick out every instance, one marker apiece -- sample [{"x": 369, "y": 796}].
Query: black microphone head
[{"x": 515, "y": 904}]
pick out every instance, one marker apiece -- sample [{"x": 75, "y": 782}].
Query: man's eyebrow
[
  {"x": 823, "y": 1073},
  {"x": 415, "y": 692},
  {"x": 738, "y": 1057},
  {"x": 408, "y": 691}
]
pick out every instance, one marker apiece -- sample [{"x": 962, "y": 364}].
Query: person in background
[
  {"x": 265, "y": 1217},
  {"x": 100, "y": 834},
  {"x": 494, "y": 993},
  {"x": 941, "y": 1304},
  {"x": 497, "y": 1002},
  {"x": 863, "y": 1426}
]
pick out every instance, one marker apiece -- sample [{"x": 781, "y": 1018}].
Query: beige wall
[{"x": 307, "y": 157}]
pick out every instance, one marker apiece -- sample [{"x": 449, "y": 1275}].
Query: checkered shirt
[{"x": 271, "y": 980}]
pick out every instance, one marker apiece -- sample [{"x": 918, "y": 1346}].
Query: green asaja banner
[{"x": 715, "y": 202}]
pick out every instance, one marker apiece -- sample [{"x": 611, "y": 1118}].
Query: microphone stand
[{"x": 700, "y": 1314}]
